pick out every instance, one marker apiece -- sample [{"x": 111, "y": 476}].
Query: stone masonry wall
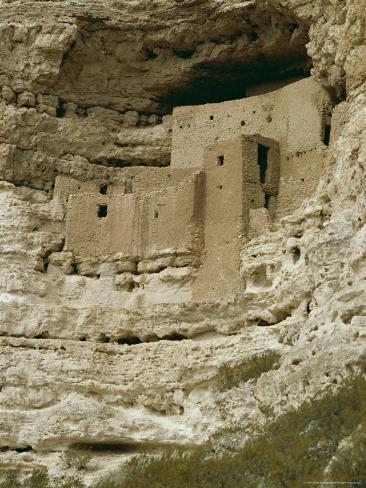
[
  {"x": 292, "y": 115},
  {"x": 138, "y": 226}
]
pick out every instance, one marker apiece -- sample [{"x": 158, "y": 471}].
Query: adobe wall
[
  {"x": 146, "y": 179},
  {"x": 89, "y": 236},
  {"x": 260, "y": 222},
  {"x": 121, "y": 181},
  {"x": 159, "y": 212},
  {"x": 232, "y": 188},
  {"x": 66, "y": 186},
  {"x": 256, "y": 191},
  {"x": 171, "y": 219},
  {"x": 300, "y": 173},
  {"x": 292, "y": 115},
  {"x": 137, "y": 226},
  {"x": 224, "y": 222},
  {"x": 208, "y": 210}
]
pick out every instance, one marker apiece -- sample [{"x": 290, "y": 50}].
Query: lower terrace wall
[
  {"x": 127, "y": 180},
  {"x": 138, "y": 226}
]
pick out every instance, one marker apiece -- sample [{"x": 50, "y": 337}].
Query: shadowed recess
[{"x": 219, "y": 82}]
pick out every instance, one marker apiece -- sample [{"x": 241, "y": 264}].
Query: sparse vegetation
[
  {"x": 10, "y": 481},
  {"x": 76, "y": 458},
  {"x": 68, "y": 482},
  {"x": 230, "y": 376},
  {"x": 40, "y": 478},
  {"x": 289, "y": 452},
  {"x": 323, "y": 440},
  {"x": 349, "y": 460}
]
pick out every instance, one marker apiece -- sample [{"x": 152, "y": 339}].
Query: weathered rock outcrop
[{"x": 86, "y": 88}]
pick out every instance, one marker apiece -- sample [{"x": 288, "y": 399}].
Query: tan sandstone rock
[{"x": 176, "y": 195}]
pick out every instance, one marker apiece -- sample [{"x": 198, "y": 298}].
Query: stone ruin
[
  {"x": 236, "y": 168},
  {"x": 165, "y": 219},
  {"x": 174, "y": 233}
]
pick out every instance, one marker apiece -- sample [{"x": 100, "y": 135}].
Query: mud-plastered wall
[
  {"x": 293, "y": 116},
  {"x": 138, "y": 226},
  {"x": 225, "y": 221}
]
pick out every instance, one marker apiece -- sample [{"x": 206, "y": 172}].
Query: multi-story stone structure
[{"x": 236, "y": 168}]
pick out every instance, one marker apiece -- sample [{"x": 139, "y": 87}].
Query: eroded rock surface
[{"x": 88, "y": 88}]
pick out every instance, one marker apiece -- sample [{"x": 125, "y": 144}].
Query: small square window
[
  {"x": 220, "y": 161},
  {"x": 103, "y": 189},
  {"x": 102, "y": 211}
]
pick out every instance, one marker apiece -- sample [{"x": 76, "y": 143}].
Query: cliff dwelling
[
  {"x": 236, "y": 168},
  {"x": 182, "y": 243}
]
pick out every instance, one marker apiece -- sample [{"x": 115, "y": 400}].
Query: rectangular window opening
[
  {"x": 267, "y": 200},
  {"x": 103, "y": 189},
  {"x": 220, "y": 161},
  {"x": 102, "y": 211},
  {"x": 262, "y": 162},
  {"x": 326, "y": 135}
]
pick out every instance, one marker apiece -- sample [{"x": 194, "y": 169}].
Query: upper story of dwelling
[
  {"x": 295, "y": 116},
  {"x": 101, "y": 145}
]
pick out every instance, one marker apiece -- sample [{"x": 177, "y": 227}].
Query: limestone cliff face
[{"x": 87, "y": 86}]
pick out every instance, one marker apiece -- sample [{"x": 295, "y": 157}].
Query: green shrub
[
  {"x": 323, "y": 440},
  {"x": 38, "y": 479},
  {"x": 112, "y": 480},
  {"x": 10, "y": 481},
  {"x": 349, "y": 462},
  {"x": 290, "y": 452},
  {"x": 68, "y": 482},
  {"x": 76, "y": 458},
  {"x": 230, "y": 376}
]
